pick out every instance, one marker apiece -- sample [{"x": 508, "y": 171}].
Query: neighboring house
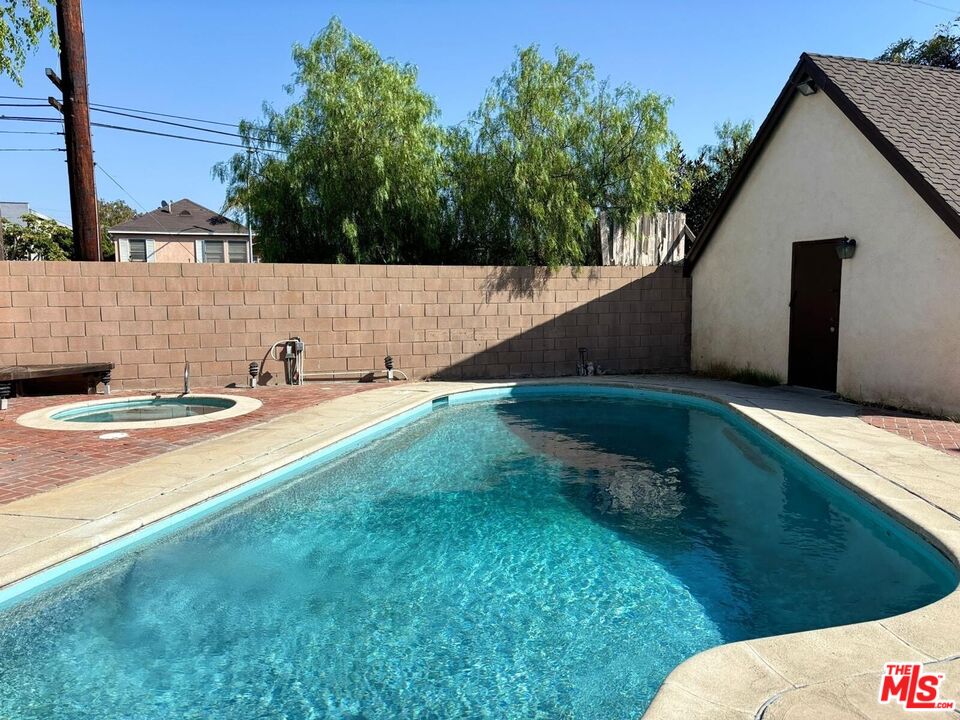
[
  {"x": 181, "y": 231},
  {"x": 13, "y": 212},
  {"x": 853, "y": 151}
]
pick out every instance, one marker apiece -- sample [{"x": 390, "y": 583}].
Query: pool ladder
[{"x": 186, "y": 378}]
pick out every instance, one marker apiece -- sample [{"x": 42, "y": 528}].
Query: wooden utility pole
[{"x": 76, "y": 119}]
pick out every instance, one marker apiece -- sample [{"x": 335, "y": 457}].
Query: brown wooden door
[{"x": 814, "y": 315}]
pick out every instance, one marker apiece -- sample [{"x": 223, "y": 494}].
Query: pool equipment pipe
[
  {"x": 361, "y": 375},
  {"x": 293, "y": 351},
  {"x": 353, "y": 375},
  {"x": 292, "y": 359}
]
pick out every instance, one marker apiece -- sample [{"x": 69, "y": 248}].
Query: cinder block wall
[{"x": 436, "y": 321}]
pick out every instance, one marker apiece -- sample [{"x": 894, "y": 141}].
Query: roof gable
[
  {"x": 910, "y": 113},
  {"x": 185, "y": 217}
]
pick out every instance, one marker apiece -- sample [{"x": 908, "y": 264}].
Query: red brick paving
[
  {"x": 943, "y": 435},
  {"x": 32, "y": 461}
]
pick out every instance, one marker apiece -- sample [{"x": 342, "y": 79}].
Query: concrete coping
[
  {"x": 833, "y": 672},
  {"x": 43, "y": 419}
]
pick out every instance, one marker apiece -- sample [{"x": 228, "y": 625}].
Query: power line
[
  {"x": 117, "y": 183},
  {"x": 21, "y": 118},
  {"x": 160, "y": 114},
  {"x": 938, "y": 7},
  {"x": 29, "y": 132},
  {"x": 33, "y": 150},
  {"x": 167, "y": 122},
  {"x": 176, "y": 124},
  {"x": 28, "y": 118},
  {"x": 104, "y": 108},
  {"x": 170, "y": 135},
  {"x": 138, "y": 114}
]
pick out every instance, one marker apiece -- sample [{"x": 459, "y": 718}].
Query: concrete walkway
[{"x": 823, "y": 674}]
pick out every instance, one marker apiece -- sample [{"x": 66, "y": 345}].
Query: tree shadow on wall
[
  {"x": 635, "y": 326},
  {"x": 526, "y": 282}
]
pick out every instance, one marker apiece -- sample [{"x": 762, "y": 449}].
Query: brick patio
[
  {"x": 942, "y": 435},
  {"x": 32, "y": 461}
]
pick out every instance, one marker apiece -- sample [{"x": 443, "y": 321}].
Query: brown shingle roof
[
  {"x": 910, "y": 113},
  {"x": 917, "y": 108},
  {"x": 185, "y": 218}
]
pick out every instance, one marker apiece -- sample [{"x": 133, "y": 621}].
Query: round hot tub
[{"x": 146, "y": 411}]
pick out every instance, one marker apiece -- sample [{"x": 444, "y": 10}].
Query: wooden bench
[{"x": 14, "y": 377}]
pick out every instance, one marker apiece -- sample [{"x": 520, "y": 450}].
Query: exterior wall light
[
  {"x": 807, "y": 87},
  {"x": 846, "y": 248}
]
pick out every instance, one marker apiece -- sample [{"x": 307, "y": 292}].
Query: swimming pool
[{"x": 551, "y": 554}]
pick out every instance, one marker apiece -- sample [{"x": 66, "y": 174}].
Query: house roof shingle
[
  {"x": 184, "y": 218},
  {"x": 917, "y": 108},
  {"x": 910, "y": 113}
]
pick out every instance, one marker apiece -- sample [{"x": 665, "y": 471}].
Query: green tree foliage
[
  {"x": 359, "y": 176},
  {"x": 37, "y": 238},
  {"x": 681, "y": 181},
  {"x": 709, "y": 175},
  {"x": 367, "y": 174},
  {"x": 941, "y": 50},
  {"x": 22, "y": 25},
  {"x": 110, "y": 213},
  {"x": 549, "y": 148}
]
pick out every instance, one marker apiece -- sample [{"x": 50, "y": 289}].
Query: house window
[
  {"x": 237, "y": 251},
  {"x": 138, "y": 251},
  {"x": 213, "y": 251},
  {"x": 218, "y": 251}
]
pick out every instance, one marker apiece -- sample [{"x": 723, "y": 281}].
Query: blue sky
[{"x": 220, "y": 59}]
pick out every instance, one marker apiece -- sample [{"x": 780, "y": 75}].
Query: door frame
[{"x": 835, "y": 242}]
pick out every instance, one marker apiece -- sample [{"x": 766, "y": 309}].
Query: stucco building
[
  {"x": 833, "y": 260},
  {"x": 181, "y": 231}
]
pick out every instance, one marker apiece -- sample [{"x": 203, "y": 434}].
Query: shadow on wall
[
  {"x": 526, "y": 283},
  {"x": 642, "y": 326}
]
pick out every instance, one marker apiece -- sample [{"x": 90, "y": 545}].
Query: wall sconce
[
  {"x": 807, "y": 87},
  {"x": 846, "y": 248}
]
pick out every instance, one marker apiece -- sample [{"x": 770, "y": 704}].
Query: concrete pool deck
[{"x": 830, "y": 673}]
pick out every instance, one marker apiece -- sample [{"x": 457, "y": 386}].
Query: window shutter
[
  {"x": 198, "y": 251},
  {"x": 123, "y": 250},
  {"x": 151, "y": 250}
]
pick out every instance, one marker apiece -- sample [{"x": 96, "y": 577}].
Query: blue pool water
[
  {"x": 546, "y": 557},
  {"x": 145, "y": 410}
]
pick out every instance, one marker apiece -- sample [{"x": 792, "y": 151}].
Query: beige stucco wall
[
  {"x": 820, "y": 178},
  {"x": 177, "y": 251}
]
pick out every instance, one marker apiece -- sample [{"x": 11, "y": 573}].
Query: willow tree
[
  {"x": 549, "y": 149},
  {"x": 350, "y": 171}
]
